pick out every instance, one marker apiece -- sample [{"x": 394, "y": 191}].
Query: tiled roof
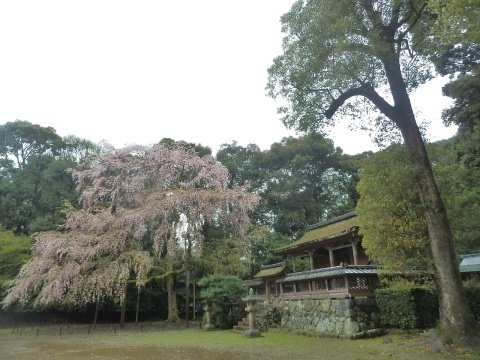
[
  {"x": 253, "y": 282},
  {"x": 271, "y": 271},
  {"x": 329, "y": 229},
  {"x": 263, "y": 267},
  {"x": 332, "y": 271},
  {"x": 470, "y": 263},
  {"x": 331, "y": 221}
]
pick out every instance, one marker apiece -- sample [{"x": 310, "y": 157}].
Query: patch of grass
[{"x": 212, "y": 345}]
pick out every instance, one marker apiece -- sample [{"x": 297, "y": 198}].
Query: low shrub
[
  {"x": 472, "y": 291},
  {"x": 408, "y": 307}
]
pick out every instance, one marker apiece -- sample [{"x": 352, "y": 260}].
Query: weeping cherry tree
[{"x": 131, "y": 195}]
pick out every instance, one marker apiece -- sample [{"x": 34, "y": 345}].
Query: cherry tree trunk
[
  {"x": 187, "y": 294},
  {"x": 96, "y": 313},
  {"x": 138, "y": 305},
  {"x": 124, "y": 308},
  {"x": 171, "y": 292},
  {"x": 188, "y": 255}
]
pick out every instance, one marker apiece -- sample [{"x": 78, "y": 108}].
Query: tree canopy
[
  {"x": 391, "y": 213},
  {"x": 300, "y": 181},
  {"x": 347, "y": 58},
  {"x": 456, "y": 20},
  {"x": 21, "y": 140},
  {"x": 130, "y": 195},
  {"x": 14, "y": 253},
  {"x": 337, "y": 54}
]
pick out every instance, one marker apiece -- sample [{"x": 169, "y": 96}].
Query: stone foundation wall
[{"x": 350, "y": 318}]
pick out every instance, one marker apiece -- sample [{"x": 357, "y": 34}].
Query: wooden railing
[{"x": 334, "y": 282}]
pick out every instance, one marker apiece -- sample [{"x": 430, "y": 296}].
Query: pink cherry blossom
[{"x": 127, "y": 194}]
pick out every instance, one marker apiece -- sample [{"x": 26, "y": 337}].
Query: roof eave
[{"x": 290, "y": 249}]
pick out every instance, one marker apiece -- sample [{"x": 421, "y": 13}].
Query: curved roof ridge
[
  {"x": 270, "y": 266},
  {"x": 332, "y": 220}
]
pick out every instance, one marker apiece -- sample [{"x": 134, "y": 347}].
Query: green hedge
[
  {"x": 408, "y": 307},
  {"x": 473, "y": 297},
  {"x": 417, "y": 307}
]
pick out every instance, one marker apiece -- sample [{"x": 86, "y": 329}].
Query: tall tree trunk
[
  {"x": 138, "y": 305},
  {"x": 124, "y": 308},
  {"x": 171, "y": 292},
  {"x": 187, "y": 294},
  {"x": 96, "y": 313},
  {"x": 188, "y": 252},
  {"x": 194, "y": 303},
  {"x": 455, "y": 313}
]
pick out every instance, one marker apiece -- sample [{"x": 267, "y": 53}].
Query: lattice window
[
  {"x": 319, "y": 285},
  {"x": 358, "y": 282},
  {"x": 336, "y": 283},
  {"x": 288, "y": 288},
  {"x": 302, "y": 286}
]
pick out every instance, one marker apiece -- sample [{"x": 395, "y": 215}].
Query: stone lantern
[
  {"x": 208, "y": 310},
  {"x": 252, "y": 308}
]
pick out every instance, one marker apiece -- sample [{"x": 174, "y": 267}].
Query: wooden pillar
[
  {"x": 310, "y": 253},
  {"x": 355, "y": 252},
  {"x": 330, "y": 254},
  {"x": 267, "y": 290}
]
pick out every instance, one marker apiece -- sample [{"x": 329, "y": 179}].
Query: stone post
[
  {"x": 252, "y": 308},
  {"x": 208, "y": 310}
]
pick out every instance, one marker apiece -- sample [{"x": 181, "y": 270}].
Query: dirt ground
[{"x": 167, "y": 341}]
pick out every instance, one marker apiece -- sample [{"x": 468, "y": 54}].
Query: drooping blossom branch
[{"x": 126, "y": 195}]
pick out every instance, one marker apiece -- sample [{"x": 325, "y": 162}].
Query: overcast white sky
[{"x": 138, "y": 71}]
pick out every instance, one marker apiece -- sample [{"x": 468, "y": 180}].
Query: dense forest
[{"x": 298, "y": 181}]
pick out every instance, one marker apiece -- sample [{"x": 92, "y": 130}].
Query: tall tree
[
  {"x": 31, "y": 197},
  {"x": 300, "y": 181},
  {"x": 391, "y": 214},
  {"x": 306, "y": 182},
  {"x": 465, "y": 111},
  {"x": 457, "y": 170},
  {"x": 198, "y": 148},
  {"x": 77, "y": 149},
  {"x": 341, "y": 57},
  {"x": 14, "y": 253},
  {"x": 242, "y": 164},
  {"x": 22, "y": 139},
  {"x": 456, "y": 20},
  {"x": 127, "y": 194},
  {"x": 34, "y": 182}
]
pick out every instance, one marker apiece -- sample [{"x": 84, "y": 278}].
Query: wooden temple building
[{"x": 339, "y": 267}]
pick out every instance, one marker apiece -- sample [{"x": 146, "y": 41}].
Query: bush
[
  {"x": 222, "y": 290},
  {"x": 225, "y": 292},
  {"x": 472, "y": 291},
  {"x": 408, "y": 307}
]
